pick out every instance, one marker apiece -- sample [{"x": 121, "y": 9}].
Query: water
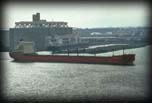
[{"x": 65, "y": 80}]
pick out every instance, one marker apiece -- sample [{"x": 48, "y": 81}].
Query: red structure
[{"x": 125, "y": 59}]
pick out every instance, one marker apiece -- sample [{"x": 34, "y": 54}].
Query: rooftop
[{"x": 37, "y": 23}]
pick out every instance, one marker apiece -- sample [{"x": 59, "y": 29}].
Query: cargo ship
[{"x": 26, "y": 53}]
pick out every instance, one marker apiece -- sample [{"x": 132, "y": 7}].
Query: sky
[{"x": 80, "y": 15}]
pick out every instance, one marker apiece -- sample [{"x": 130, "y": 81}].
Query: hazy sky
[{"x": 78, "y": 14}]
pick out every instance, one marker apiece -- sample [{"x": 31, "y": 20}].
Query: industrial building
[{"x": 43, "y": 33}]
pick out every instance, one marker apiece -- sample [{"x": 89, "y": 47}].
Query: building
[
  {"x": 4, "y": 41},
  {"x": 43, "y": 33}
]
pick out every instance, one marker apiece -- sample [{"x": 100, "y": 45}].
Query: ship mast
[
  {"x": 77, "y": 52},
  {"x": 113, "y": 52},
  {"x": 123, "y": 51}
]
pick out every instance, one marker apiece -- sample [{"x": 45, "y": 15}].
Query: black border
[{"x": 98, "y": 99}]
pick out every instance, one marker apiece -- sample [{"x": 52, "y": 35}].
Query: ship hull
[{"x": 126, "y": 59}]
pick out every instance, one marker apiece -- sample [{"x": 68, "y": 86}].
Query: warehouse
[{"x": 43, "y": 33}]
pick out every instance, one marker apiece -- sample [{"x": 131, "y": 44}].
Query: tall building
[
  {"x": 4, "y": 41},
  {"x": 43, "y": 33}
]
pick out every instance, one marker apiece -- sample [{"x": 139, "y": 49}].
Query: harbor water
[{"x": 65, "y": 80}]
